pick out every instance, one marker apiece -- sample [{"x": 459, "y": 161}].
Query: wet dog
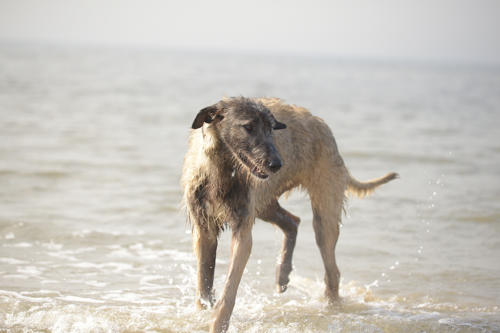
[{"x": 243, "y": 155}]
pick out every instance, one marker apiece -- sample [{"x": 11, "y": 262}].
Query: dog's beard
[{"x": 254, "y": 168}]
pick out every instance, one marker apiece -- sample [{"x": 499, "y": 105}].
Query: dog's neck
[
  {"x": 227, "y": 184},
  {"x": 224, "y": 169}
]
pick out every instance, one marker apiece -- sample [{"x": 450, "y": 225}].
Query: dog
[{"x": 243, "y": 155}]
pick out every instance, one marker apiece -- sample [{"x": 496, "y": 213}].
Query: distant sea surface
[{"x": 93, "y": 237}]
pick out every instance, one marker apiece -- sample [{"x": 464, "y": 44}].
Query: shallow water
[{"x": 93, "y": 237}]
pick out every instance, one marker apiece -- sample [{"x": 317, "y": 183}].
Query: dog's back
[
  {"x": 307, "y": 148},
  {"x": 310, "y": 154}
]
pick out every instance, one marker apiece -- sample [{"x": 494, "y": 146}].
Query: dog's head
[{"x": 245, "y": 127}]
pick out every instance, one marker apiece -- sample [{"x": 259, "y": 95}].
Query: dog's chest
[{"x": 225, "y": 197}]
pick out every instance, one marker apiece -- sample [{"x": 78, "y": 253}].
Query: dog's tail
[{"x": 362, "y": 189}]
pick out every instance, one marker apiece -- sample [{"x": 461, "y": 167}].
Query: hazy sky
[{"x": 444, "y": 30}]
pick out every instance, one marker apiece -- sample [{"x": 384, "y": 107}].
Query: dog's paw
[
  {"x": 203, "y": 304},
  {"x": 281, "y": 288}
]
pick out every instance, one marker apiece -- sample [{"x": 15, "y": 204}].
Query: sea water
[{"x": 93, "y": 237}]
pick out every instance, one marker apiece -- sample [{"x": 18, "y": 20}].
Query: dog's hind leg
[
  {"x": 288, "y": 223},
  {"x": 205, "y": 247},
  {"x": 327, "y": 203}
]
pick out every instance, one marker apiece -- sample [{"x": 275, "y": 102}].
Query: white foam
[
  {"x": 50, "y": 282},
  {"x": 116, "y": 267},
  {"x": 52, "y": 246},
  {"x": 42, "y": 291},
  {"x": 120, "y": 253},
  {"x": 82, "y": 322},
  {"x": 12, "y": 261},
  {"x": 181, "y": 256},
  {"x": 20, "y": 296},
  {"x": 137, "y": 246},
  {"x": 15, "y": 276},
  {"x": 63, "y": 255},
  {"x": 95, "y": 283},
  {"x": 79, "y": 299},
  {"x": 121, "y": 296},
  {"x": 21, "y": 245},
  {"x": 146, "y": 279},
  {"x": 30, "y": 270}
]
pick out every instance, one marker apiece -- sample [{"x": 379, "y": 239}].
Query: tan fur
[
  {"x": 362, "y": 189},
  {"x": 311, "y": 161}
]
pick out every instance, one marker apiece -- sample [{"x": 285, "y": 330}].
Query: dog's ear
[
  {"x": 206, "y": 115},
  {"x": 277, "y": 125}
]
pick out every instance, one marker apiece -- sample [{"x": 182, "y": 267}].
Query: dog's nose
[{"x": 275, "y": 164}]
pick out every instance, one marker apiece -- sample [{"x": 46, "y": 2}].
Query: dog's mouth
[{"x": 255, "y": 170}]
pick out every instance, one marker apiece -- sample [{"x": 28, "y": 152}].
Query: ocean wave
[{"x": 301, "y": 309}]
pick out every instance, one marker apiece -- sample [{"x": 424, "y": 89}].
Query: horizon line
[{"x": 238, "y": 51}]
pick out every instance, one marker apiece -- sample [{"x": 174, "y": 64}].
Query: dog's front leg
[
  {"x": 205, "y": 247},
  {"x": 241, "y": 246}
]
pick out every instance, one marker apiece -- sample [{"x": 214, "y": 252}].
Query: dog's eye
[{"x": 248, "y": 128}]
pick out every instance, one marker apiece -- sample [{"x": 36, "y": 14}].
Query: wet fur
[{"x": 219, "y": 189}]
